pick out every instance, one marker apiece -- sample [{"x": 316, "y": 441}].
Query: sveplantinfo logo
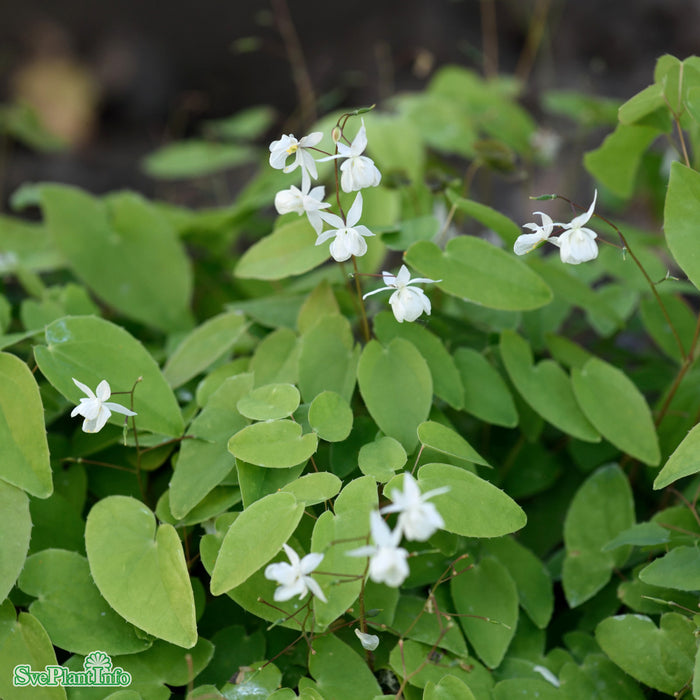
[{"x": 97, "y": 672}]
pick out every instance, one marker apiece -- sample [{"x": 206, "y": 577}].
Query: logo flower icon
[{"x": 97, "y": 659}]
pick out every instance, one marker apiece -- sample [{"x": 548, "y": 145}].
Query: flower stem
[{"x": 363, "y": 312}]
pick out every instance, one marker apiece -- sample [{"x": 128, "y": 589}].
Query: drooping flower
[
  {"x": 368, "y": 641},
  {"x": 407, "y": 302},
  {"x": 357, "y": 171},
  {"x": 288, "y": 145},
  {"x": 293, "y": 578},
  {"x": 302, "y": 201},
  {"x": 387, "y": 562},
  {"x": 418, "y": 519},
  {"x": 577, "y": 244},
  {"x": 347, "y": 235},
  {"x": 529, "y": 241},
  {"x": 95, "y": 408}
]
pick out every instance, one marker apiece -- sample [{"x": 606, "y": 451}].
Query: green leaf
[
  {"x": 246, "y": 125},
  {"x": 682, "y": 208},
  {"x": 328, "y": 359},
  {"x": 415, "y": 662},
  {"x": 602, "y": 508},
  {"x": 278, "y": 444},
  {"x": 395, "y": 145},
  {"x": 71, "y": 609},
  {"x": 203, "y": 346},
  {"x": 487, "y": 590},
  {"x": 193, "y": 158},
  {"x": 662, "y": 658},
  {"x": 269, "y": 402},
  {"x": 92, "y": 349},
  {"x": 276, "y": 358},
  {"x": 679, "y": 569},
  {"x": 24, "y": 451},
  {"x": 381, "y": 458},
  {"x": 256, "y": 482},
  {"x": 24, "y": 641},
  {"x": 530, "y": 575},
  {"x": 330, "y": 416},
  {"x": 314, "y": 488},
  {"x": 506, "y": 229},
  {"x": 526, "y": 689},
  {"x": 122, "y": 238},
  {"x": 321, "y": 302},
  {"x": 616, "y": 162},
  {"x": 393, "y": 376},
  {"x": 449, "y": 688},
  {"x": 290, "y": 250},
  {"x": 642, "y": 104},
  {"x": 477, "y": 271},
  {"x": 140, "y": 569},
  {"x": 447, "y": 382},
  {"x": 472, "y": 507},
  {"x": 486, "y": 395},
  {"x": 340, "y": 672},
  {"x": 597, "y": 679},
  {"x": 443, "y": 439},
  {"x": 682, "y": 317},
  {"x": 640, "y": 535},
  {"x": 17, "y": 529},
  {"x": 545, "y": 387},
  {"x": 205, "y": 460},
  {"x": 243, "y": 552},
  {"x": 617, "y": 409},
  {"x": 684, "y": 461}
]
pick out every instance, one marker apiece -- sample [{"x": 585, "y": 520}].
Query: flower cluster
[
  {"x": 417, "y": 521},
  {"x": 407, "y": 302},
  {"x": 576, "y": 244},
  {"x": 357, "y": 172}
]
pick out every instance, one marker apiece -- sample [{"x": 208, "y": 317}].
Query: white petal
[
  {"x": 291, "y": 555},
  {"x": 103, "y": 391},
  {"x": 381, "y": 289},
  {"x": 526, "y": 243},
  {"x": 315, "y": 588},
  {"x": 310, "y": 562},
  {"x": 368, "y": 641},
  {"x": 332, "y": 219},
  {"x": 355, "y": 211},
  {"x": 339, "y": 248},
  {"x": 404, "y": 277},
  {"x": 118, "y": 408},
  {"x": 359, "y": 143},
  {"x": 84, "y": 388}
]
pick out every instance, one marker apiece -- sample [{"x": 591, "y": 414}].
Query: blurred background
[{"x": 108, "y": 83}]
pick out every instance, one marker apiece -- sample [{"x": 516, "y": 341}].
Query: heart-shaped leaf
[
  {"x": 545, "y": 387},
  {"x": 17, "y": 529},
  {"x": 140, "y": 569},
  {"x": 278, "y": 444},
  {"x": 661, "y": 657}
]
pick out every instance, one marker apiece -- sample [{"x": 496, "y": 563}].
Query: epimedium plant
[{"x": 279, "y": 488}]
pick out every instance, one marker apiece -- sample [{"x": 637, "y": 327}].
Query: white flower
[
  {"x": 358, "y": 171},
  {"x": 387, "y": 562},
  {"x": 348, "y": 237},
  {"x": 288, "y": 145},
  {"x": 577, "y": 244},
  {"x": 302, "y": 201},
  {"x": 529, "y": 241},
  {"x": 293, "y": 578},
  {"x": 368, "y": 641},
  {"x": 418, "y": 519},
  {"x": 547, "y": 675},
  {"x": 407, "y": 303},
  {"x": 95, "y": 408}
]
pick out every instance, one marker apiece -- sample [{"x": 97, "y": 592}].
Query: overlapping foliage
[{"x": 547, "y": 412}]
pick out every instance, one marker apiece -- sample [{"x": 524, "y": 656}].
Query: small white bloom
[
  {"x": 347, "y": 235},
  {"x": 418, "y": 519},
  {"x": 387, "y": 562},
  {"x": 368, "y": 641},
  {"x": 358, "y": 171},
  {"x": 288, "y": 145},
  {"x": 577, "y": 244},
  {"x": 529, "y": 241},
  {"x": 95, "y": 408},
  {"x": 407, "y": 302},
  {"x": 302, "y": 201},
  {"x": 293, "y": 578}
]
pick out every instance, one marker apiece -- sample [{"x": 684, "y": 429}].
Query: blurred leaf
[{"x": 191, "y": 159}]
